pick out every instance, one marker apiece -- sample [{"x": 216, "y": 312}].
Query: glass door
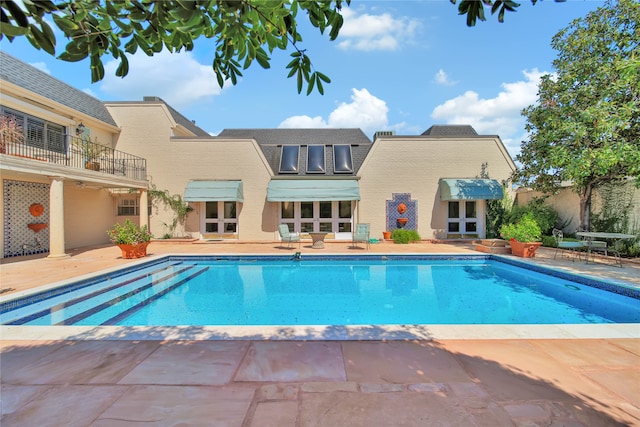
[
  {"x": 220, "y": 219},
  {"x": 463, "y": 219},
  {"x": 324, "y": 216}
]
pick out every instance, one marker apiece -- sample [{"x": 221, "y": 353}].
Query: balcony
[{"x": 77, "y": 153}]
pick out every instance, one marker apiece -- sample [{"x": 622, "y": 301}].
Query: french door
[
  {"x": 220, "y": 219},
  {"x": 463, "y": 219},
  {"x": 322, "y": 216}
]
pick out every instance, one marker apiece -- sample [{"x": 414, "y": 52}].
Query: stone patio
[{"x": 250, "y": 382}]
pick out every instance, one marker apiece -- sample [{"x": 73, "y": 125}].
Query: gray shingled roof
[
  {"x": 270, "y": 141},
  {"x": 179, "y": 118},
  {"x": 450, "y": 130},
  {"x": 30, "y": 78}
]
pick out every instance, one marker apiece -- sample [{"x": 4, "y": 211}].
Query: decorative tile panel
[
  {"x": 19, "y": 239},
  {"x": 411, "y": 213}
]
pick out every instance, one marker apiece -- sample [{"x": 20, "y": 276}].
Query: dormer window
[
  {"x": 342, "y": 159},
  {"x": 289, "y": 159},
  {"x": 315, "y": 159}
]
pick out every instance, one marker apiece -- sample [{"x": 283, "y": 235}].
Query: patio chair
[
  {"x": 562, "y": 245},
  {"x": 361, "y": 235},
  {"x": 286, "y": 236},
  {"x": 604, "y": 248}
]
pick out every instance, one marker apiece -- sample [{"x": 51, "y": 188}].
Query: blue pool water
[{"x": 329, "y": 291}]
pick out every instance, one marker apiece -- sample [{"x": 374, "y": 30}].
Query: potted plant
[
  {"x": 524, "y": 236},
  {"x": 91, "y": 152},
  {"x": 130, "y": 238}
]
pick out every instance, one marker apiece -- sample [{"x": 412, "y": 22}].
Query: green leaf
[
  {"x": 323, "y": 77},
  {"x": 12, "y": 31},
  {"x": 262, "y": 58},
  {"x": 16, "y": 13},
  {"x": 97, "y": 69},
  {"x": 299, "y": 81},
  {"x": 312, "y": 82},
  {"x": 41, "y": 39},
  {"x": 123, "y": 68},
  {"x": 72, "y": 57},
  {"x": 65, "y": 24}
]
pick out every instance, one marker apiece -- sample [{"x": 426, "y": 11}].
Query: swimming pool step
[
  {"x": 139, "y": 295},
  {"x": 130, "y": 311},
  {"x": 58, "y": 313}
]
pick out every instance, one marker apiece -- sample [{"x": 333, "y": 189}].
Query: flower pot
[
  {"x": 524, "y": 249},
  {"x": 402, "y": 221},
  {"x": 134, "y": 251},
  {"x": 37, "y": 227},
  {"x": 386, "y": 235},
  {"x": 94, "y": 166}
]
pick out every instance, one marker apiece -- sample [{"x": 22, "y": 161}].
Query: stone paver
[
  {"x": 178, "y": 405},
  {"x": 65, "y": 405},
  {"x": 201, "y": 363},
  {"x": 292, "y": 361}
]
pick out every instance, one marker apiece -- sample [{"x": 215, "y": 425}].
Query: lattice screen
[{"x": 19, "y": 239}]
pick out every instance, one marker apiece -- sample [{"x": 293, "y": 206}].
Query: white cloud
[
  {"x": 442, "y": 78},
  {"x": 178, "y": 78},
  {"x": 375, "y": 32},
  {"x": 499, "y": 115},
  {"x": 41, "y": 66},
  {"x": 365, "y": 111}
]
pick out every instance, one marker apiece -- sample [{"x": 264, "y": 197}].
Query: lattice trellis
[{"x": 19, "y": 239}]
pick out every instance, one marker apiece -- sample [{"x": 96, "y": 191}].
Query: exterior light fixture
[{"x": 80, "y": 129}]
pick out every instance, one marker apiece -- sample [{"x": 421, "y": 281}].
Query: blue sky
[{"x": 397, "y": 65}]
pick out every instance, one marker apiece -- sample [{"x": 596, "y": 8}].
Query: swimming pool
[{"x": 333, "y": 290}]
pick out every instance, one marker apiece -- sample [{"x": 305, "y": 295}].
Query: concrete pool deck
[{"x": 585, "y": 379}]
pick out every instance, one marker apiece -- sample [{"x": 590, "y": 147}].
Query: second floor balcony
[{"x": 75, "y": 152}]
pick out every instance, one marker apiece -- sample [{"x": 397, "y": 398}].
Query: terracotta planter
[
  {"x": 386, "y": 235},
  {"x": 134, "y": 251},
  {"x": 94, "y": 166},
  {"x": 403, "y": 221},
  {"x": 37, "y": 227},
  {"x": 524, "y": 249}
]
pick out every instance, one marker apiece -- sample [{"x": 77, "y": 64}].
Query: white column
[
  {"x": 56, "y": 218},
  {"x": 144, "y": 211}
]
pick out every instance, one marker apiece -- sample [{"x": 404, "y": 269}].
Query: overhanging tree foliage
[
  {"x": 585, "y": 127},
  {"x": 243, "y": 31}
]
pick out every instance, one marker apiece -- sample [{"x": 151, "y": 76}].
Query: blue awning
[
  {"x": 208, "y": 191},
  {"x": 305, "y": 190},
  {"x": 470, "y": 189}
]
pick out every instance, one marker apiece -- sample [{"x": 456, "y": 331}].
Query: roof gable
[{"x": 179, "y": 118}]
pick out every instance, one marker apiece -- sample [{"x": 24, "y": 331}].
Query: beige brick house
[{"x": 241, "y": 184}]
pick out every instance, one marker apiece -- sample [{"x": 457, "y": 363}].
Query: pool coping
[{"x": 327, "y": 332}]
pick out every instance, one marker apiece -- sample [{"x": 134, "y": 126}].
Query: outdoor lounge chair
[
  {"x": 286, "y": 236},
  {"x": 562, "y": 245},
  {"x": 361, "y": 235}
]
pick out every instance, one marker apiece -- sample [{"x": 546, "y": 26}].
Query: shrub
[
  {"x": 525, "y": 230},
  {"x": 403, "y": 236},
  {"x": 129, "y": 234},
  {"x": 545, "y": 215}
]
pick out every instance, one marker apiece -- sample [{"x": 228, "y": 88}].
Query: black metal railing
[{"x": 79, "y": 153}]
